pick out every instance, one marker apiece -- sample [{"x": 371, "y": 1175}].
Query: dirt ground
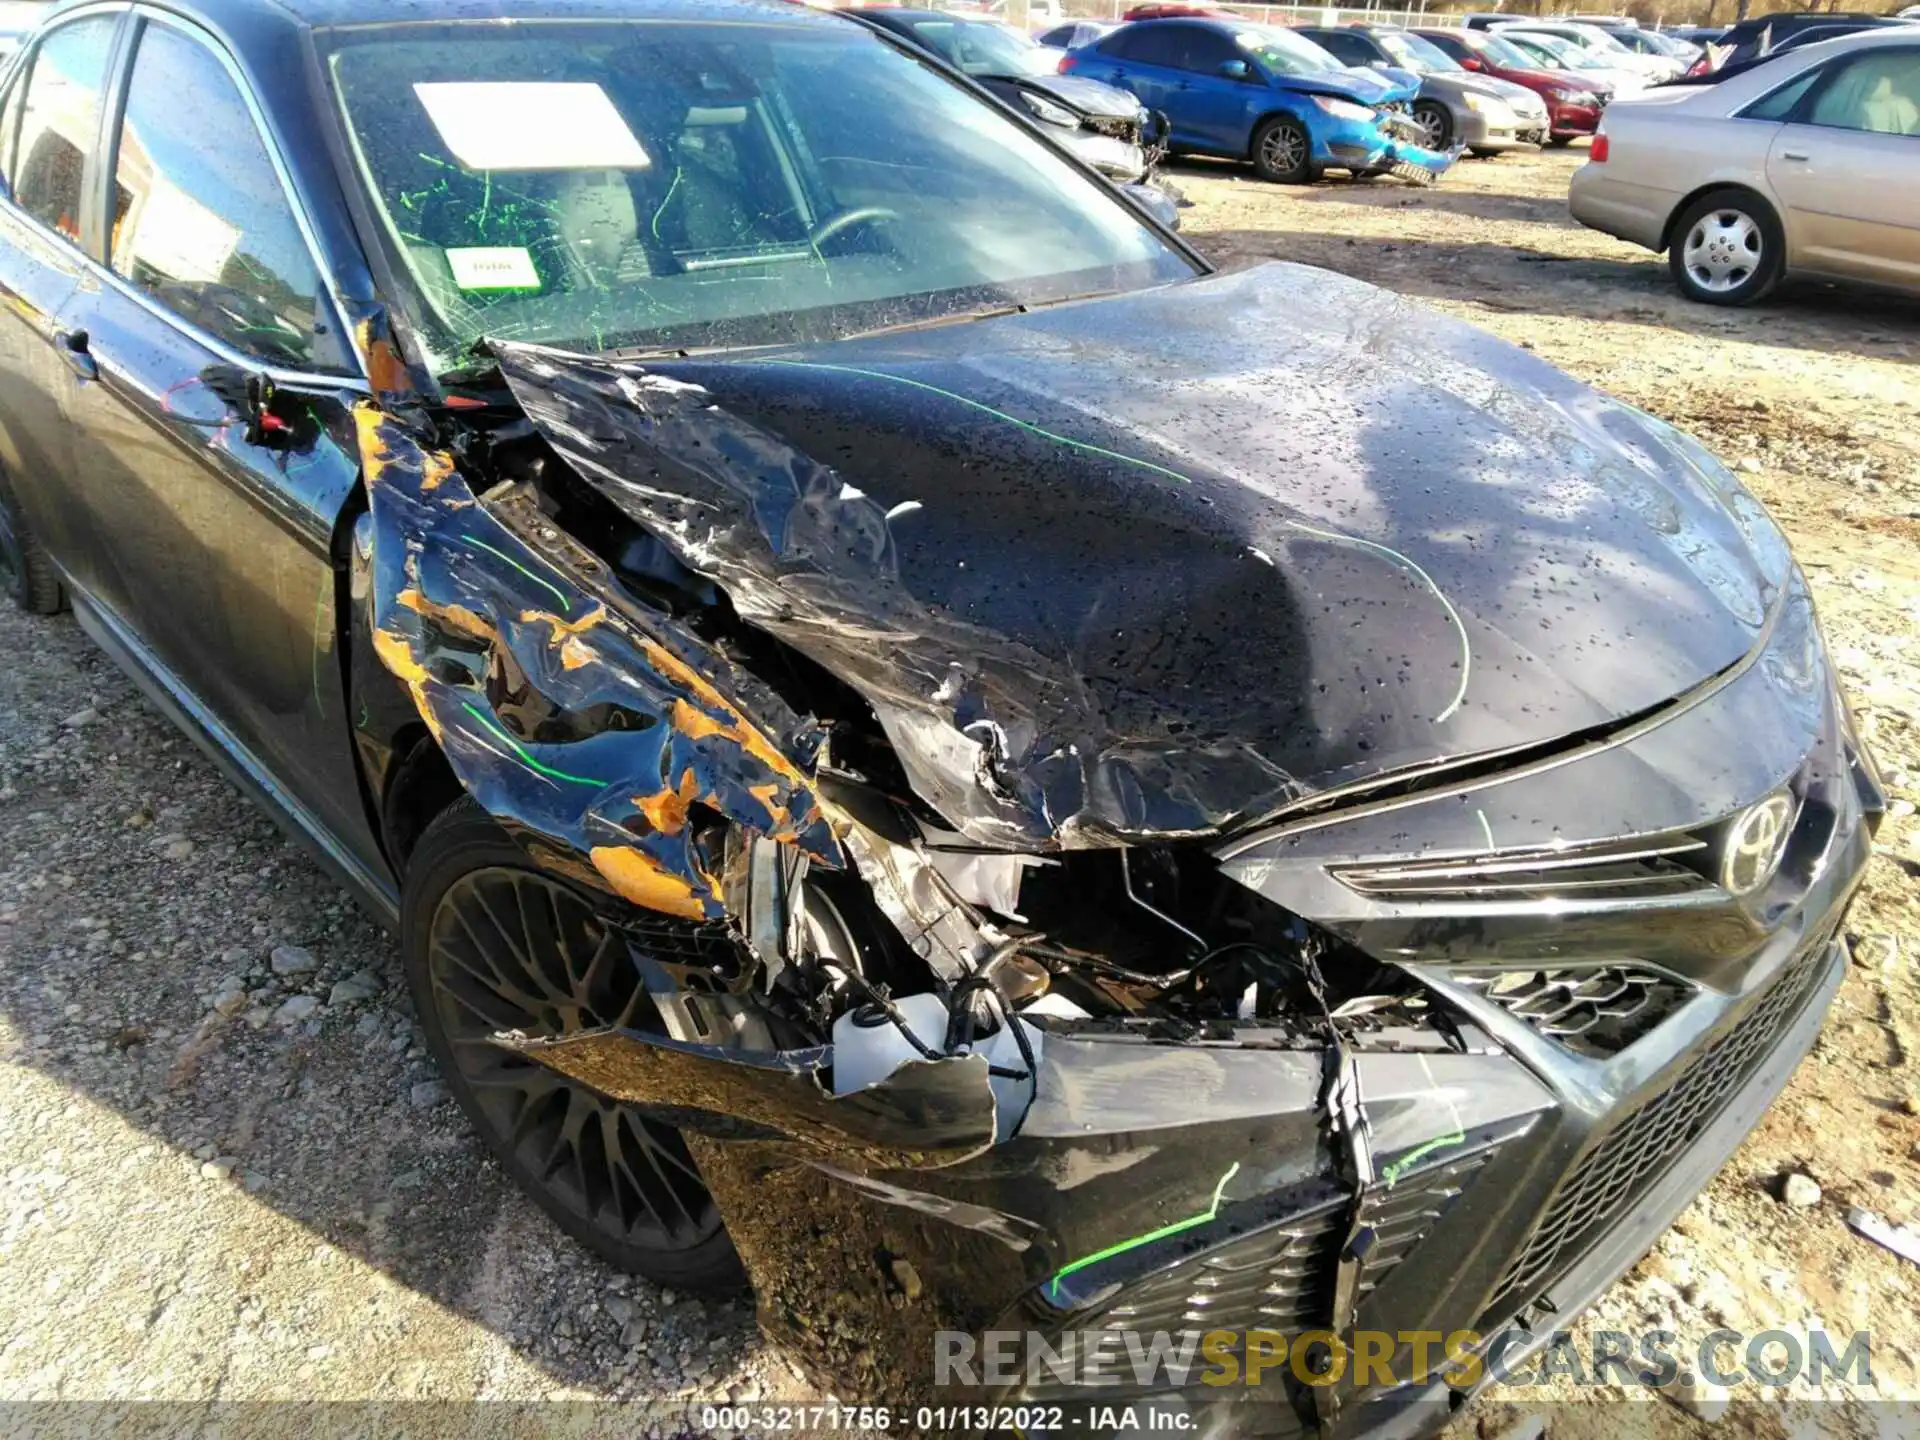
[{"x": 224, "y": 1178}]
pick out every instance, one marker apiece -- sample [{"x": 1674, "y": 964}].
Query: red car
[{"x": 1573, "y": 103}]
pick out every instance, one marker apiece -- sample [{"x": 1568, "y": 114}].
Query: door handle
[
  {"x": 1793, "y": 154},
  {"x": 73, "y": 350}
]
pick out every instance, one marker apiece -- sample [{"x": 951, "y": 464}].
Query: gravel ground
[{"x": 228, "y": 1173}]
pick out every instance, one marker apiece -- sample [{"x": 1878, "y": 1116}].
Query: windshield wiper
[{"x": 1018, "y": 307}]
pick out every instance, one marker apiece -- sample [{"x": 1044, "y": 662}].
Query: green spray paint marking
[
  {"x": 1053, "y": 1285},
  {"x": 1466, "y": 648},
  {"x": 1392, "y": 1173},
  {"x": 1027, "y": 426},
  {"x": 520, "y": 753},
  {"x": 547, "y": 585}
]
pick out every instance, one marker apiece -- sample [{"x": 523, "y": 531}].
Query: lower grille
[
  {"x": 1279, "y": 1277},
  {"x": 1596, "y": 1012},
  {"x": 1616, "y": 1171}
]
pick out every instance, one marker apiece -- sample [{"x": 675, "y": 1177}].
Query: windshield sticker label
[
  {"x": 515, "y": 125},
  {"x": 493, "y": 267}
]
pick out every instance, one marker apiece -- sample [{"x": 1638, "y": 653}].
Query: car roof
[
  {"x": 317, "y": 14},
  {"x": 914, "y": 16}
]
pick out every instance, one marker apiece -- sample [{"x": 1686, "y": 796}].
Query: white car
[
  {"x": 1808, "y": 163},
  {"x": 1599, "y": 44},
  {"x": 1554, "y": 53}
]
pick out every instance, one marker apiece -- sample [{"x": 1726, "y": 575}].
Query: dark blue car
[{"x": 1261, "y": 93}]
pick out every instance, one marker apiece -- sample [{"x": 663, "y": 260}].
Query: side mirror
[
  {"x": 274, "y": 419},
  {"x": 1236, "y": 69},
  {"x": 1469, "y": 62}
]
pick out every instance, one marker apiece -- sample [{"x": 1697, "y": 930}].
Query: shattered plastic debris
[
  {"x": 566, "y": 712},
  {"x": 1902, "y": 1240}
]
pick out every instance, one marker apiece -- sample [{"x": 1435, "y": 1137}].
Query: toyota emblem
[{"x": 1755, "y": 842}]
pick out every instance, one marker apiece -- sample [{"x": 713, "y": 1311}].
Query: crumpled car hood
[
  {"x": 1089, "y": 97},
  {"x": 1161, "y": 563}
]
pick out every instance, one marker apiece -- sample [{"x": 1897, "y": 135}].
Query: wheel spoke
[{"x": 511, "y": 949}]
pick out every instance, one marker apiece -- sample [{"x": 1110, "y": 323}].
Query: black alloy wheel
[{"x": 493, "y": 944}]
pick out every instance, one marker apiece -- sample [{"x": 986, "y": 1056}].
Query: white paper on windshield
[
  {"x": 493, "y": 267},
  {"x": 530, "y": 125}
]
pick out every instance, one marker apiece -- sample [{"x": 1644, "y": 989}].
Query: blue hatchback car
[{"x": 1264, "y": 94}]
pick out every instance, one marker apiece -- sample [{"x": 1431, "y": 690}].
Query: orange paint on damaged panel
[
  {"x": 397, "y": 656},
  {"x": 455, "y": 617},
  {"x": 737, "y": 729},
  {"x": 667, "y": 811},
  {"x": 575, "y": 653},
  {"x": 637, "y": 877}
]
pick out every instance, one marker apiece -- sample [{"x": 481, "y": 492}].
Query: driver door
[
  {"x": 216, "y": 570},
  {"x": 1216, "y": 104}
]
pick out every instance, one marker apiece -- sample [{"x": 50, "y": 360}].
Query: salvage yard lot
[{"x": 214, "y": 1188}]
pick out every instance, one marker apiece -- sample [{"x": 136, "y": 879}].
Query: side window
[
  {"x": 1205, "y": 52},
  {"x": 1157, "y": 46},
  {"x": 1781, "y": 103},
  {"x": 200, "y": 219},
  {"x": 1878, "y": 92},
  {"x": 60, "y": 121},
  {"x": 1346, "y": 47}
]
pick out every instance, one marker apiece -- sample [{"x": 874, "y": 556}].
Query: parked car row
[
  {"x": 1265, "y": 94},
  {"x": 1574, "y": 100}
]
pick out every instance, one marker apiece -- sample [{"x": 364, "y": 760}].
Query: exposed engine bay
[{"x": 527, "y": 612}]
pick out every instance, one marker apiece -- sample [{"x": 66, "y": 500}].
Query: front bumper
[
  {"x": 1566, "y": 119},
  {"x": 1193, "y": 1185}
]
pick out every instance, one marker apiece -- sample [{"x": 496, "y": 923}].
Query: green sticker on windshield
[{"x": 493, "y": 267}]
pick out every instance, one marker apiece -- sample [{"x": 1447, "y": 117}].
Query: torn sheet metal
[
  {"x": 926, "y": 1114},
  {"x": 562, "y": 712},
  {"x": 1099, "y": 587}
]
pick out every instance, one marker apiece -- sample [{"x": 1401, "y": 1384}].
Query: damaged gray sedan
[{"x": 928, "y": 753}]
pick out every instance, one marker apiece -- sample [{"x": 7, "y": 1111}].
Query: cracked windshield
[{"x": 664, "y": 186}]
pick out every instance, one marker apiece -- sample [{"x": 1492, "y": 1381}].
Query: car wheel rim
[
  {"x": 1283, "y": 148},
  {"x": 1431, "y": 124},
  {"x": 1723, "y": 250},
  {"x": 510, "y": 950}
]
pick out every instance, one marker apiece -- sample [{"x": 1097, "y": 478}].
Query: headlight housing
[
  {"x": 1047, "y": 111},
  {"x": 1345, "y": 109}
]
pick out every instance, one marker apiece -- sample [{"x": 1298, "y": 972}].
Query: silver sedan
[{"x": 1807, "y": 164}]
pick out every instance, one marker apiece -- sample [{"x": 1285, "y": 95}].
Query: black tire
[
  {"x": 1560, "y": 142},
  {"x": 1283, "y": 152},
  {"x": 559, "y": 970},
  {"x": 1727, "y": 248},
  {"x": 26, "y": 574},
  {"x": 1436, "y": 124}
]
